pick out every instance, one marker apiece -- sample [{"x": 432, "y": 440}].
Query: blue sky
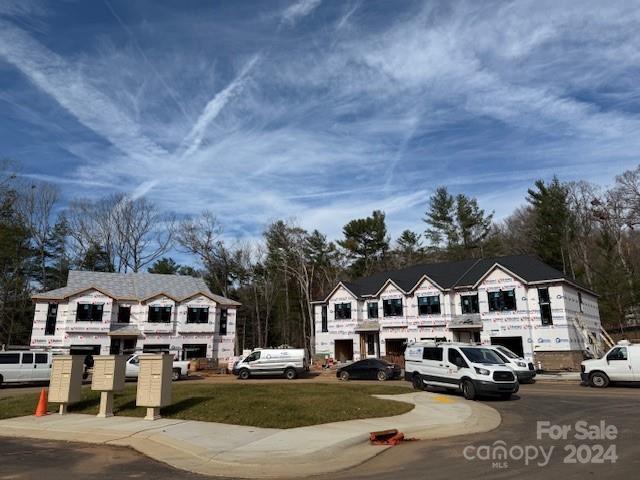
[{"x": 318, "y": 110}]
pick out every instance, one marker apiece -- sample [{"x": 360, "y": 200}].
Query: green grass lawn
[{"x": 270, "y": 405}]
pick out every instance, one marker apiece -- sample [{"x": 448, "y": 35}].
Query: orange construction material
[
  {"x": 386, "y": 437},
  {"x": 41, "y": 409}
]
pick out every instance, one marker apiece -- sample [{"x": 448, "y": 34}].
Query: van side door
[
  {"x": 455, "y": 365},
  {"x": 433, "y": 364},
  {"x": 26, "y": 367},
  {"x": 41, "y": 367},
  {"x": 618, "y": 365}
]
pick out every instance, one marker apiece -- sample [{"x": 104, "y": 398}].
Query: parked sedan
[{"x": 369, "y": 369}]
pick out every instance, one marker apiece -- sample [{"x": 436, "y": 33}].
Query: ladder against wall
[{"x": 598, "y": 340}]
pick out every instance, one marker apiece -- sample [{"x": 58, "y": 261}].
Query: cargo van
[
  {"x": 472, "y": 369},
  {"x": 620, "y": 364},
  {"x": 289, "y": 362},
  {"x": 20, "y": 366},
  {"x": 524, "y": 370}
]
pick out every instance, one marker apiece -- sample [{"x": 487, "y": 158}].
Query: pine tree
[
  {"x": 366, "y": 243},
  {"x": 409, "y": 249},
  {"x": 97, "y": 260},
  {"x": 552, "y": 220},
  {"x": 165, "y": 265},
  {"x": 58, "y": 261}
]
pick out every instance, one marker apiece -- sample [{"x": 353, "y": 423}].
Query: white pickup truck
[{"x": 180, "y": 368}]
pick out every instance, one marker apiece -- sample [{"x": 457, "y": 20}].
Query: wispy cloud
[{"x": 299, "y": 9}]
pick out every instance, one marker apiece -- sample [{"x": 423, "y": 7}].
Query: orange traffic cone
[{"x": 41, "y": 409}]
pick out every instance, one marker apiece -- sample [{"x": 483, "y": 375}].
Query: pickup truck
[{"x": 180, "y": 369}]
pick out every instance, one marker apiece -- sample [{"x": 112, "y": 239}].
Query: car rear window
[
  {"x": 432, "y": 353},
  {"x": 9, "y": 358}
]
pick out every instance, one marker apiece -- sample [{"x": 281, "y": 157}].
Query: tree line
[{"x": 582, "y": 229}]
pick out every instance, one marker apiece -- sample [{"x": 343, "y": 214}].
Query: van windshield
[
  {"x": 505, "y": 351},
  {"x": 482, "y": 355}
]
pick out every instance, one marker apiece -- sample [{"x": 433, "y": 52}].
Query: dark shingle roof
[{"x": 464, "y": 273}]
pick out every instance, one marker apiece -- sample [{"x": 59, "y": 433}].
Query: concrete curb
[{"x": 264, "y": 453}]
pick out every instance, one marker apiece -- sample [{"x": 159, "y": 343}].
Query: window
[
  {"x": 124, "y": 314},
  {"x": 223, "y": 321},
  {"x": 429, "y": 305},
  {"x": 503, "y": 300},
  {"x": 197, "y": 315},
  {"x": 482, "y": 355},
  {"x": 470, "y": 304},
  {"x": 545, "y": 306},
  {"x": 618, "y": 353},
  {"x": 159, "y": 314},
  {"x": 89, "y": 312},
  {"x": 155, "y": 348},
  {"x": 42, "y": 358},
  {"x": 325, "y": 322},
  {"x": 456, "y": 358},
  {"x": 580, "y": 301},
  {"x": 9, "y": 358},
  {"x": 27, "y": 358},
  {"x": 372, "y": 310},
  {"x": 252, "y": 358},
  {"x": 432, "y": 353},
  {"x": 194, "y": 351},
  {"x": 342, "y": 311},
  {"x": 392, "y": 307},
  {"x": 52, "y": 315}
]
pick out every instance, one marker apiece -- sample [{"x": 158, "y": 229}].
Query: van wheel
[
  {"x": 381, "y": 376},
  {"x": 290, "y": 374},
  {"x": 599, "y": 380},
  {"x": 175, "y": 376},
  {"x": 344, "y": 375},
  {"x": 1, "y": 379},
  {"x": 417, "y": 383},
  {"x": 468, "y": 390},
  {"x": 244, "y": 374}
]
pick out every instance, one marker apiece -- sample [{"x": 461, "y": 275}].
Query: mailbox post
[
  {"x": 108, "y": 376},
  {"x": 154, "y": 383},
  {"x": 66, "y": 380}
]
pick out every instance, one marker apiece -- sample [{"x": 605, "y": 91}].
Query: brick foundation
[{"x": 568, "y": 361}]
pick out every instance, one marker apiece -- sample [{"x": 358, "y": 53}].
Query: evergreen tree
[
  {"x": 409, "y": 249},
  {"x": 58, "y": 261},
  {"x": 458, "y": 227},
  {"x": 551, "y": 222},
  {"x": 97, "y": 259},
  {"x": 366, "y": 243},
  {"x": 165, "y": 265}
]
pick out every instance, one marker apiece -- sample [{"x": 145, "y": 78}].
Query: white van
[
  {"x": 620, "y": 364},
  {"x": 19, "y": 366},
  {"x": 473, "y": 369},
  {"x": 523, "y": 369},
  {"x": 289, "y": 362}
]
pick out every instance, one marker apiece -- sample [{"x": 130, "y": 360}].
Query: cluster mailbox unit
[
  {"x": 108, "y": 377},
  {"x": 154, "y": 384},
  {"x": 66, "y": 380}
]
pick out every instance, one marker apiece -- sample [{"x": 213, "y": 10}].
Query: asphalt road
[{"x": 558, "y": 404}]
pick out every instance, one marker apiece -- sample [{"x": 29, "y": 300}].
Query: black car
[{"x": 369, "y": 369}]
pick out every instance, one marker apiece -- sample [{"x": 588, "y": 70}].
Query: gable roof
[
  {"x": 460, "y": 274},
  {"x": 134, "y": 286}
]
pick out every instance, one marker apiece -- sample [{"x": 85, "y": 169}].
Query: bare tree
[{"x": 35, "y": 205}]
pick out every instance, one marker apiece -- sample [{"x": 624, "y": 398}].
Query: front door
[{"x": 369, "y": 345}]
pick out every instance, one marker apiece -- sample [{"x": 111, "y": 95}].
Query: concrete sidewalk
[{"x": 239, "y": 451}]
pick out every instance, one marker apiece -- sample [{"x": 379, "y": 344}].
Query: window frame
[
  {"x": 52, "y": 319},
  {"x": 162, "y": 310},
  {"x": 324, "y": 319},
  {"x": 339, "y": 307},
  {"x": 436, "y": 358},
  {"x": 429, "y": 310},
  {"x": 201, "y": 315},
  {"x": 224, "y": 316},
  {"x": 93, "y": 307},
  {"x": 386, "y": 311},
  {"x": 369, "y": 309},
  {"x": 473, "y": 310},
  {"x": 544, "y": 304},
  {"x": 502, "y": 306},
  {"x": 124, "y": 308}
]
